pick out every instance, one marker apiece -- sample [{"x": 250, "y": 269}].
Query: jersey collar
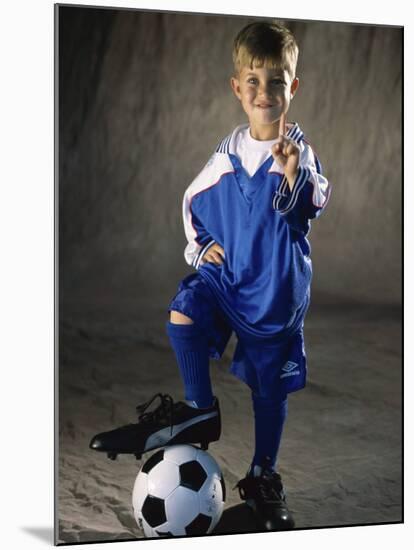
[{"x": 228, "y": 144}]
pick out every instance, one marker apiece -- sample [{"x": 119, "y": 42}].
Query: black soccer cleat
[
  {"x": 264, "y": 494},
  {"x": 168, "y": 424}
]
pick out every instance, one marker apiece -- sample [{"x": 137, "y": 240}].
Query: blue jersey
[{"x": 263, "y": 285}]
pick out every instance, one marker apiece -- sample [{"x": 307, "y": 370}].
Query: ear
[
  {"x": 235, "y": 86},
  {"x": 293, "y": 87}
]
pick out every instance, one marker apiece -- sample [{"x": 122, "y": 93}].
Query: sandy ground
[{"x": 340, "y": 458}]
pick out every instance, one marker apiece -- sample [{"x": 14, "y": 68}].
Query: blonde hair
[{"x": 265, "y": 43}]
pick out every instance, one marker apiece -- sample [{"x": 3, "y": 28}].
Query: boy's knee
[{"x": 179, "y": 319}]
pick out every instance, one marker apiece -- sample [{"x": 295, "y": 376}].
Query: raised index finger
[{"x": 282, "y": 125}]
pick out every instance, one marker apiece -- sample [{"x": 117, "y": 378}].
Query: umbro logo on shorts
[
  {"x": 290, "y": 365},
  {"x": 289, "y": 369}
]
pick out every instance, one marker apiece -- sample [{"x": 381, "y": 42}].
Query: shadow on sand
[{"x": 237, "y": 519}]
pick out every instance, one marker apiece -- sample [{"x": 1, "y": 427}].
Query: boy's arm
[
  {"x": 303, "y": 192},
  {"x": 199, "y": 240}
]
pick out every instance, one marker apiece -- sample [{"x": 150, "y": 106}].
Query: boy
[{"x": 246, "y": 217}]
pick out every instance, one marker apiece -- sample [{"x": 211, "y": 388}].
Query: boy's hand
[
  {"x": 215, "y": 254},
  {"x": 286, "y": 152}
]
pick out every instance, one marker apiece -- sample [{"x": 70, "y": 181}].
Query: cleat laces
[
  {"x": 164, "y": 411},
  {"x": 267, "y": 487}
]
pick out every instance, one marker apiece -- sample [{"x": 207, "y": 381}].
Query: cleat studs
[
  {"x": 204, "y": 445},
  {"x": 138, "y": 456},
  {"x": 112, "y": 456}
]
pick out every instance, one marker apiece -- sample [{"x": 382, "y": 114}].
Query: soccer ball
[{"x": 178, "y": 491}]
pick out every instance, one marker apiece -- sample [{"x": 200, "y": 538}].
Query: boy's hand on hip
[
  {"x": 215, "y": 254},
  {"x": 286, "y": 152}
]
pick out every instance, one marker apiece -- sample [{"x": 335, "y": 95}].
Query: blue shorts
[{"x": 268, "y": 367}]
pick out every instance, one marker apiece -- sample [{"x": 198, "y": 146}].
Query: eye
[{"x": 277, "y": 82}]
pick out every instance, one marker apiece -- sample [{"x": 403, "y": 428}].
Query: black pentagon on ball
[
  {"x": 153, "y": 461},
  {"x": 192, "y": 475},
  {"x": 153, "y": 511},
  {"x": 199, "y": 525}
]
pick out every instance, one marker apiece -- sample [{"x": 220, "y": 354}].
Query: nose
[{"x": 264, "y": 90}]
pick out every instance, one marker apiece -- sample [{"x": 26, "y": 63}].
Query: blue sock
[
  {"x": 190, "y": 345},
  {"x": 269, "y": 418}
]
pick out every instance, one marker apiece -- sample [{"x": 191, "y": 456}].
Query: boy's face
[{"x": 265, "y": 94}]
